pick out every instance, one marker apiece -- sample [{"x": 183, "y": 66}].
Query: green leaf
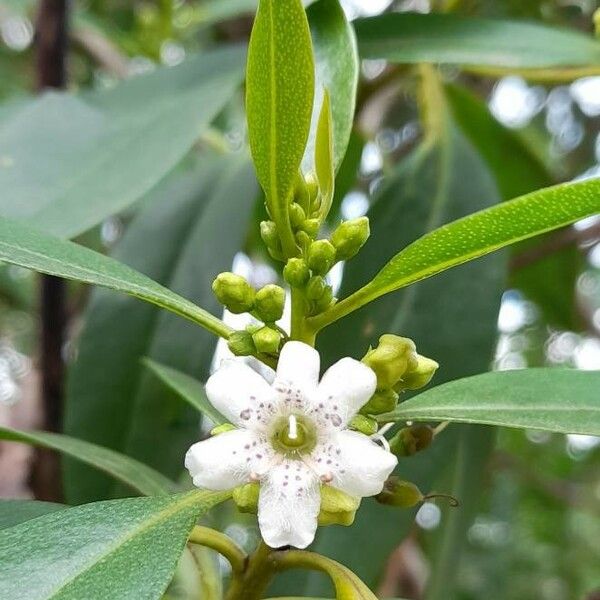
[
  {"x": 78, "y": 146},
  {"x": 561, "y": 400},
  {"x": 136, "y": 475},
  {"x": 201, "y": 213},
  {"x": 436, "y": 38},
  {"x": 13, "y": 512},
  {"x": 324, "y": 157},
  {"x": 24, "y": 246},
  {"x": 477, "y": 235},
  {"x": 188, "y": 388},
  {"x": 126, "y": 549},
  {"x": 337, "y": 71},
  {"x": 279, "y": 103}
]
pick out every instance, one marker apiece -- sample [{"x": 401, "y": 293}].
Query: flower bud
[
  {"x": 303, "y": 240},
  {"x": 222, "y": 428},
  {"x": 269, "y": 303},
  {"x": 268, "y": 233},
  {"x": 315, "y": 288},
  {"x": 350, "y": 237},
  {"x": 337, "y": 507},
  {"x": 246, "y": 497},
  {"x": 312, "y": 187},
  {"x": 321, "y": 256},
  {"x": 418, "y": 376},
  {"x": 234, "y": 292},
  {"x": 364, "y": 424},
  {"x": 381, "y": 402},
  {"x": 297, "y": 215},
  {"x": 296, "y": 272},
  {"x": 402, "y": 494},
  {"x": 301, "y": 193},
  {"x": 410, "y": 440},
  {"x": 241, "y": 343},
  {"x": 325, "y": 301},
  {"x": 392, "y": 358},
  {"x": 311, "y": 227},
  {"x": 267, "y": 340}
]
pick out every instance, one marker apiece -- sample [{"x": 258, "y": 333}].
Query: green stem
[
  {"x": 298, "y": 314},
  {"x": 221, "y": 543},
  {"x": 252, "y": 583}
]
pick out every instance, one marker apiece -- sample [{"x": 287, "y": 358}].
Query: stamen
[{"x": 293, "y": 427}]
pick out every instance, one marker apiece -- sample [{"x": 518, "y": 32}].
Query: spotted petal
[
  {"x": 288, "y": 506},
  {"x": 357, "y": 465},
  {"x": 344, "y": 389},
  {"x": 227, "y": 460},
  {"x": 239, "y": 393}
]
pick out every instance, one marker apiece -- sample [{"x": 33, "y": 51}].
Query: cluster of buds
[
  {"x": 266, "y": 304},
  {"x": 405, "y": 494},
  {"x": 398, "y": 368}
]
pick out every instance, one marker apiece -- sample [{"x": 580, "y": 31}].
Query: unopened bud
[
  {"x": 315, "y": 288},
  {"x": 337, "y": 507},
  {"x": 402, "y": 494},
  {"x": 296, "y": 272},
  {"x": 321, "y": 256},
  {"x": 268, "y": 233},
  {"x": 267, "y": 340},
  {"x": 303, "y": 240},
  {"x": 364, "y": 424},
  {"x": 241, "y": 343},
  {"x": 418, "y": 376},
  {"x": 392, "y": 358},
  {"x": 246, "y": 497},
  {"x": 234, "y": 292},
  {"x": 382, "y": 401},
  {"x": 297, "y": 215},
  {"x": 301, "y": 193},
  {"x": 326, "y": 300},
  {"x": 350, "y": 237},
  {"x": 311, "y": 227},
  {"x": 269, "y": 303},
  {"x": 410, "y": 440}
]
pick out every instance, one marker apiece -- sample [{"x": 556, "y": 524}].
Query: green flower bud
[
  {"x": 324, "y": 302},
  {"x": 267, "y": 340},
  {"x": 321, "y": 256},
  {"x": 303, "y": 240},
  {"x": 241, "y": 343},
  {"x": 402, "y": 494},
  {"x": 296, "y": 272},
  {"x": 268, "y": 233},
  {"x": 419, "y": 376},
  {"x": 269, "y": 303},
  {"x": 222, "y": 428},
  {"x": 364, "y": 424},
  {"x": 392, "y": 358},
  {"x": 315, "y": 288},
  {"x": 337, "y": 507},
  {"x": 301, "y": 193},
  {"x": 350, "y": 237},
  {"x": 312, "y": 187},
  {"x": 381, "y": 402},
  {"x": 297, "y": 215},
  {"x": 234, "y": 292},
  {"x": 311, "y": 227},
  {"x": 410, "y": 440},
  {"x": 246, "y": 497}
]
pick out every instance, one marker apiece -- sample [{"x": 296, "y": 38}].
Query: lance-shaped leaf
[
  {"x": 445, "y": 38},
  {"x": 188, "y": 389},
  {"x": 117, "y": 549},
  {"x": 279, "y": 102},
  {"x": 561, "y": 400},
  {"x": 324, "y": 158},
  {"x": 477, "y": 235},
  {"x": 131, "y": 472},
  {"x": 25, "y": 246}
]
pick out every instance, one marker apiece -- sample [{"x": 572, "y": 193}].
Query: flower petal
[
  {"x": 288, "y": 505},
  {"x": 228, "y": 459},
  {"x": 299, "y": 364},
  {"x": 344, "y": 389},
  {"x": 354, "y": 463},
  {"x": 239, "y": 393}
]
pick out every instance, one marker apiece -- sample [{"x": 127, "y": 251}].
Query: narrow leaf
[
  {"x": 279, "y": 102},
  {"x": 131, "y": 472},
  {"x": 24, "y": 246},
  {"x": 324, "y": 157},
  {"x": 188, "y": 388},
  {"x": 126, "y": 549},
  {"x": 560, "y": 400}
]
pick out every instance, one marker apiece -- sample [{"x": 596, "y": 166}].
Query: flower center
[{"x": 293, "y": 435}]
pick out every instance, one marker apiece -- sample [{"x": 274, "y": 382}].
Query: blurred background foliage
[{"x": 529, "y": 525}]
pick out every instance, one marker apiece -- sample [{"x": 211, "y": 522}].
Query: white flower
[{"x": 291, "y": 438}]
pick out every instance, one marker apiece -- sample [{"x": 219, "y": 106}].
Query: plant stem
[
  {"x": 251, "y": 584},
  {"x": 204, "y": 536}
]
